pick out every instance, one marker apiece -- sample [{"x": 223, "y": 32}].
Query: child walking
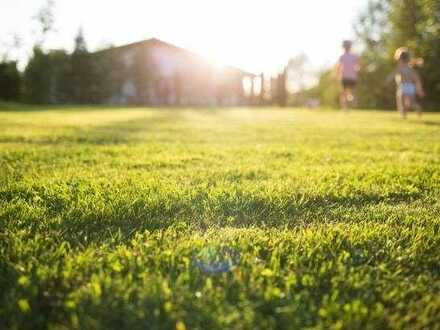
[{"x": 409, "y": 84}]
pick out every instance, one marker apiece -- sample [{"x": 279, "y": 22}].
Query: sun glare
[{"x": 257, "y": 36}]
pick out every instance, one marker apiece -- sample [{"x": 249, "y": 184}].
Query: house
[{"x": 153, "y": 72}]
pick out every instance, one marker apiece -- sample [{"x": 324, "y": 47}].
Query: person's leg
[
  {"x": 351, "y": 97},
  {"x": 416, "y": 106},
  {"x": 400, "y": 104},
  {"x": 407, "y": 105},
  {"x": 349, "y": 94},
  {"x": 343, "y": 98}
]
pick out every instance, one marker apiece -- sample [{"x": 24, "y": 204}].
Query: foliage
[
  {"x": 82, "y": 72},
  {"x": 56, "y": 77},
  {"x": 417, "y": 23},
  {"x": 383, "y": 27},
  {"x": 45, "y": 19},
  {"x": 102, "y": 212},
  {"x": 46, "y": 77},
  {"x": 387, "y": 25},
  {"x": 327, "y": 89},
  {"x": 36, "y": 78},
  {"x": 374, "y": 89},
  {"x": 281, "y": 93},
  {"x": 10, "y": 81}
]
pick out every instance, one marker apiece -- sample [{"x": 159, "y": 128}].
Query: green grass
[{"x": 104, "y": 212}]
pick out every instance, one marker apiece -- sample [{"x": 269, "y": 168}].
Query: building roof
[{"x": 157, "y": 42}]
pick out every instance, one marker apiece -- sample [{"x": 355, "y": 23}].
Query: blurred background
[{"x": 210, "y": 53}]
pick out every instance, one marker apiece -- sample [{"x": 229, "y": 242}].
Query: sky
[{"x": 255, "y": 35}]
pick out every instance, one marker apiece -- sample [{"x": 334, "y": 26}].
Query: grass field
[{"x": 105, "y": 215}]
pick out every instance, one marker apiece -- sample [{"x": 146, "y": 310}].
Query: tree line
[{"x": 62, "y": 77}]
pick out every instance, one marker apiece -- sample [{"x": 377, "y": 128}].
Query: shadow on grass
[
  {"x": 430, "y": 123},
  {"x": 122, "y": 132},
  {"x": 82, "y": 226},
  {"x": 23, "y": 107}
]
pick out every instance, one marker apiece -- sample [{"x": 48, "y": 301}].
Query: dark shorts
[{"x": 348, "y": 83}]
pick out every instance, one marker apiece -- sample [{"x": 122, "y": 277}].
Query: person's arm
[{"x": 391, "y": 76}]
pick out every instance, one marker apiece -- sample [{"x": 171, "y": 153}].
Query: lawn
[{"x": 119, "y": 218}]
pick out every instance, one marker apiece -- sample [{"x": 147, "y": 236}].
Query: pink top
[{"x": 349, "y": 66}]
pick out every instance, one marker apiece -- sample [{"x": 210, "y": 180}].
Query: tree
[
  {"x": 382, "y": 28},
  {"x": 299, "y": 79},
  {"x": 282, "y": 88},
  {"x": 10, "y": 81},
  {"x": 424, "y": 40},
  {"x": 328, "y": 89},
  {"x": 297, "y": 73},
  {"x": 373, "y": 29},
  {"x": 10, "y": 77},
  {"x": 47, "y": 77},
  {"x": 46, "y": 20},
  {"x": 86, "y": 73},
  {"x": 36, "y": 77},
  {"x": 80, "y": 43}
]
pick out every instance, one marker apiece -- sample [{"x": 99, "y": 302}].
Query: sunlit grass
[{"x": 102, "y": 212}]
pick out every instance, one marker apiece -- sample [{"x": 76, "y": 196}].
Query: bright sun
[{"x": 258, "y": 36}]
